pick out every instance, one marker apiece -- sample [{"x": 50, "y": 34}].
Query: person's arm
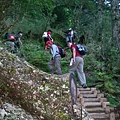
[
  {"x": 19, "y": 40},
  {"x": 51, "y": 38},
  {"x": 74, "y": 53}
]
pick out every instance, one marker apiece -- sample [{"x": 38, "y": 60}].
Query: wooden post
[
  {"x": 81, "y": 101},
  {"x": 112, "y": 116},
  {"x": 98, "y": 95},
  {"x": 103, "y": 104}
]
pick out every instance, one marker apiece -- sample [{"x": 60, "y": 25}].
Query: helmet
[{"x": 49, "y": 42}]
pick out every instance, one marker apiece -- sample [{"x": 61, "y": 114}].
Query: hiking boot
[{"x": 84, "y": 85}]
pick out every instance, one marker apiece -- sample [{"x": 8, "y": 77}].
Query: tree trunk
[
  {"x": 116, "y": 23},
  {"x": 100, "y": 16}
]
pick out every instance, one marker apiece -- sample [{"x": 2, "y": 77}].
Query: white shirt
[{"x": 54, "y": 51}]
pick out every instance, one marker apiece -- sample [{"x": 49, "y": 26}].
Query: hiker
[
  {"x": 54, "y": 64},
  {"x": 73, "y": 34},
  {"x": 48, "y": 38},
  {"x": 77, "y": 63},
  {"x": 14, "y": 41},
  {"x": 18, "y": 41},
  {"x": 10, "y": 39},
  {"x": 70, "y": 35}
]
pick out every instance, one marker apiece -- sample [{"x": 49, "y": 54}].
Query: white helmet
[
  {"x": 44, "y": 35},
  {"x": 70, "y": 28}
]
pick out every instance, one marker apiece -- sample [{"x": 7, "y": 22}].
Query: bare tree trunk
[
  {"x": 116, "y": 26},
  {"x": 116, "y": 23},
  {"x": 100, "y": 16}
]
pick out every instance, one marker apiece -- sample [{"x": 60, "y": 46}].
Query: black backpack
[
  {"x": 62, "y": 52},
  {"x": 6, "y": 35},
  {"x": 82, "y": 50}
]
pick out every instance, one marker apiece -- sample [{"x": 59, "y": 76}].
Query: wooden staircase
[{"x": 95, "y": 103}]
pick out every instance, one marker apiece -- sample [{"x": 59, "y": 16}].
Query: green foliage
[
  {"x": 62, "y": 14},
  {"x": 102, "y": 62},
  {"x": 35, "y": 54},
  {"x": 103, "y": 76},
  {"x": 0, "y": 85},
  {"x": 112, "y": 100}
]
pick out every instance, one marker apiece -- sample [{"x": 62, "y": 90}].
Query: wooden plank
[
  {"x": 95, "y": 110},
  {"x": 92, "y": 104},
  {"x": 90, "y": 95},
  {"x": 99, "y": 115}
]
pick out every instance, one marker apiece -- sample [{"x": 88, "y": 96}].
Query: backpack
[
  {"x": 62, "y": 52},
  {"x": 6, "y": 36},
  {"x": 81, "y": 49}
]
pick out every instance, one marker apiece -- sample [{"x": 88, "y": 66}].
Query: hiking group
[
  {"x": 77, "y": 61},
  {"x": 14, "y": 40},
  {"x": 57, "y": 52}
]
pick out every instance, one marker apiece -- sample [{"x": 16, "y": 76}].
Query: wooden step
[
  {"x": 94, "y": 100},
  {"x": 91, "y": 100},
  {"x": 102, "y": 104},
  {"x": 95, "y": 110},
  {"x": 80, "y": 88},
  {"x": 85, "y": 92},
  {"x": 89, "y": 95},
  {"x": 99, "y": 115},
  {"x": 100, "y": 95},
  {"x": 95, "y": 103},
  {"x": 86, "y": 104},
  {"x": 95, "y": 95}
]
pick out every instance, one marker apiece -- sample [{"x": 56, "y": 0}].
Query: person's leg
[
  {"x": 80, "y": 72},
  {"x": 57, "y": 65},
  {"x": 17, "y": 47},
  {"x": 12, "y": 46},
  {"x": 51, "y": 66},
  {"x": 72, "y": 68}
]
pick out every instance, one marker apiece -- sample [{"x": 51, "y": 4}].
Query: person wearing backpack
[
  {"x": 14, "y": 41},
  {"x": 77, "y": 64},
  {"x": 18, "y": 41},
  {"x": 54, "y": 64},
  {"x": 10, "y": 39},
  {"x": 70, "y": 35},
  {"x": 48, "y": 37}
]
